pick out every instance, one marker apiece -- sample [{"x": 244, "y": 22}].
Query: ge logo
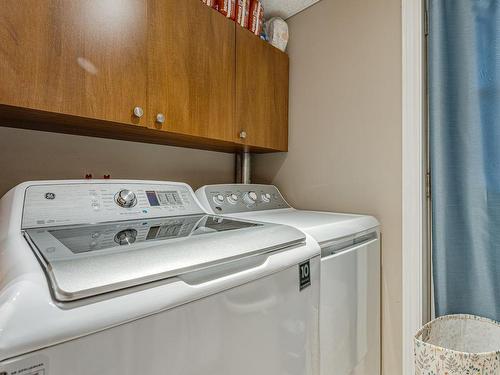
[{"x": 50, "y": 196}]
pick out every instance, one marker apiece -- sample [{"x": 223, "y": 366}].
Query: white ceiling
[{"x": 285, "y": 8}]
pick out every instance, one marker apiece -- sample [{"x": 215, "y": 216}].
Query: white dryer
[
  {"x": 350, "y": 271},
  {"x": 133, "y": 277}
]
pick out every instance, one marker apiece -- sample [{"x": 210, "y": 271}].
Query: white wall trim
[{"x": 413, "y": 192}]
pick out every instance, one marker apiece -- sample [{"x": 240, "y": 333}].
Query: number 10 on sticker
[{"x": 304, "y": 275}]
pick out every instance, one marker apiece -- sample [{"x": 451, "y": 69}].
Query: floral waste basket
[{"x": 458, "y": 344}]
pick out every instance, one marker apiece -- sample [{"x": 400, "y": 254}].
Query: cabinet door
[
  {"x": 191, "y": 69},
  {"x": 261, "y": 92},
  {"x": 85, "y": 58}
]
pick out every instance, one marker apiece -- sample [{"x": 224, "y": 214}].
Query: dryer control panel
[
  {"x": 59, "y": 204},
  {"x": 235, "y": 198}
]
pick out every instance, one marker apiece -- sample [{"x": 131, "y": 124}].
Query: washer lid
[{"x": 87, "y": 260}]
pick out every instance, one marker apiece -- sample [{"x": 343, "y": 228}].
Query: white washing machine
[
  {"x": 350, "y": 271},
  {"x": 132, "y": 277}
]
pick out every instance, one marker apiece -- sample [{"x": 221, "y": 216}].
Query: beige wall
[
  {"x": 31, "y": 155},
  {"x": 345, "y": 130}
]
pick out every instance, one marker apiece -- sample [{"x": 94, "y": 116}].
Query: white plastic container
[
  {"x": 277, "y": 33},
  {"x": 458, "y": 344}
]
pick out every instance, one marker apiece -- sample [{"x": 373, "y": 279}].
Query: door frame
[{"x": 415, "y": 283}]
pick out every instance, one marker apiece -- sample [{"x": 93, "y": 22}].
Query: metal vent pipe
[{"x": 243, "y": 168}]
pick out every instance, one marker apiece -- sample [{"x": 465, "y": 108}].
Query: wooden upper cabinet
[
  {"x": 261, "y": 92},
  {"x": 191, "y": 79},
  {"x": 85, "y": 57},
  {"x": 82, "y": 66}
]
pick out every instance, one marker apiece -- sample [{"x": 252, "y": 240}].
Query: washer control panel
[
  {"x": 235, "y": 198},
  {"x": 48, "y": 204}
]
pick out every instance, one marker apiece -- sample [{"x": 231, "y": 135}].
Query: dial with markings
[{"x": 126, "y": 198}]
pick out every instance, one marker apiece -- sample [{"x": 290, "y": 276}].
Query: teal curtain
[{"x": 464, "y": 115}]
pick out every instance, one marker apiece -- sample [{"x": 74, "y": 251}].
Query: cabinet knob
[
  {"x": 138, "y": 112},
  {"x": 243, "y": 134},
  {"x": 160, "y": 118}
]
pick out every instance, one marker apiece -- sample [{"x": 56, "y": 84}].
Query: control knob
[
  {"x": 250, "y": 197},
  {"x": 219, "y": 199},
  {"x": 233, "y": 198},
  {"x": 126, "y": 198},
  {"x": 266, "y": 197},
  {"x": 126, "y": 237}
]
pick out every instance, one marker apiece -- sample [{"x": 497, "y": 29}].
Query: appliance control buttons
[
  {"x": 126, "y": 237},
  {"x": 126, "y": 198},
  {"x": 233, "y": 199},
  {"x": 266, "y": 197},
  {"x": 219, "y": 198},
  {"x": 250, "y": 197}
]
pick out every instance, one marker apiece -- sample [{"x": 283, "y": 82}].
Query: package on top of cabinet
[
  {"x": 228, "y": 8},
  {"x": 211, "y": 3},
  {"x": 256, "y": 17},
  {"x": 277, "y": 32},
  {"x": 242, "y": 12}
]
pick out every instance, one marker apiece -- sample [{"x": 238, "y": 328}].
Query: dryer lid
[
  {"x": 322, "y": 226},
  {"x": 87, "y": 260}
]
